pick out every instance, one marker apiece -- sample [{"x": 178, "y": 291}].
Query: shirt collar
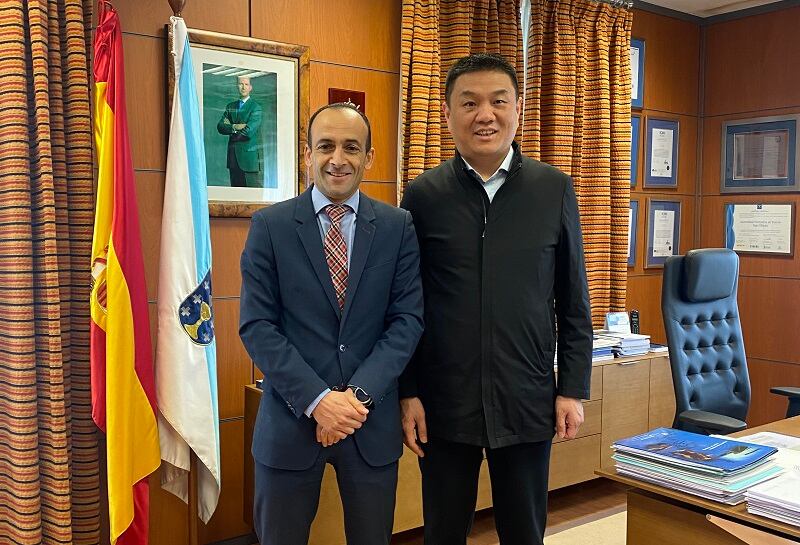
[
  {"x": 504, "y": 166},
  {"x": 245, "y": 99},
  {"x": 320, "y": 201}
]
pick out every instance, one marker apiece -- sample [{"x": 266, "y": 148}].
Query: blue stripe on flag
[{"x": 196, "y": 156}]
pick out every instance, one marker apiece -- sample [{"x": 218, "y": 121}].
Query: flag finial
[{"x": 177, "y": 6}]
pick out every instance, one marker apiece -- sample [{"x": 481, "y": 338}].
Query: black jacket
[{"x": 496, "y": 278}]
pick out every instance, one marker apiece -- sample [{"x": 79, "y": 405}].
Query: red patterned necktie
[{"x": 336, "y": 250}]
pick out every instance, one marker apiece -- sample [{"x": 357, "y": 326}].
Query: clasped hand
[{"x": 338, "y": 415}]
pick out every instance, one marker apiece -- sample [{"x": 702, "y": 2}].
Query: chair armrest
[
  {"x": 712, "y": 422},
  {"x": 787, "y": 391}
]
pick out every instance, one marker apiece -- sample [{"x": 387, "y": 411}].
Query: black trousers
[
  {"x": 286, "y": 502},
  {"x": 450, "y": 488}
]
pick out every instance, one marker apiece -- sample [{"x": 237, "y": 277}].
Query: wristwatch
[{"x": 361, "y": 395}]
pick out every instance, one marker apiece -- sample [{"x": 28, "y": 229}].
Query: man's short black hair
[
  {"x": 479, "y": 62},
  {"x": 341, "y": 106}
]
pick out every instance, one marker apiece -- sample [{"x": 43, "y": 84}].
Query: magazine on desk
[{"x": 678, "y": 448}]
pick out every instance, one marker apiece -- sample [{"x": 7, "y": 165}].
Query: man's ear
[
  {"x": 307, "y": 155},
  {"x": 370, "y": 159}
]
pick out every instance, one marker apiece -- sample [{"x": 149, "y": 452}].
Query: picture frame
[
  {"x": 633, "y": 222},
  {"x": 249, "y": 171},
  {"x": 759, "y": 155},
  {"x": 661, "y": 153},
  {"x": 637, "y": 72},
  {"x": 636, "y": 132},
  {"x": 760, "y": 228},
  {"x": 663, "y": 231}
]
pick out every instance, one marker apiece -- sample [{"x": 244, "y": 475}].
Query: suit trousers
[
  {"x": 286, "y": 501},
  {"x": 518, "y": 474}
]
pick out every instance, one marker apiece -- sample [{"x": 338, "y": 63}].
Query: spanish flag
[{"x": 123, "y": 391}]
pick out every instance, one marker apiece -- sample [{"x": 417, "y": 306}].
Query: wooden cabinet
[{"x": 628, "y": 396}]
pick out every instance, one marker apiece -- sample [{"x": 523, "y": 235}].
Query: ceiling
[{"x": 709, "y": 8}]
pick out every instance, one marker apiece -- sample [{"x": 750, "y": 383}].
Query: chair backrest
[{"x": 704, "y": 334}]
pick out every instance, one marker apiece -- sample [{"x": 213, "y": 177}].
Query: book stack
[
  {"x": 778, "y": 499},
  {"x": 603, "y": 348},
  {"x": 627, "y": 344},
  {"x": 714, "y": 468},
  {"x": 658, "y": 348}
]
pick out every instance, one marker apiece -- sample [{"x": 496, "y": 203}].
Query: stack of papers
[
  {"x": 627, "y": 344},
  {"x": 710, "y": 467},
  {"x": 779, "y": 498},
  {"x": 658, "y": 348},
  {"x": 603, "y": 348}
]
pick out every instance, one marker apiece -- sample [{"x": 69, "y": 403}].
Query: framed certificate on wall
[
  {"x": 766, "y": 228},
  {"x": 760, "y": 155},
  {"x": 633, "y": 221},
  {"x": 661, "y": 153},
  {"x": 663, "y": 231},
  {"x": 637, "y": 73}
]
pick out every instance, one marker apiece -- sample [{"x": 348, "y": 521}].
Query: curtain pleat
[
  {"x": 434, "y": 35},
  {"x": 577, "y": 118},
  {"x": 49, "y": 480}
]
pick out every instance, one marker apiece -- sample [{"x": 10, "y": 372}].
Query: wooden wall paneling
[
  {"x": 150, "y": 197},
  {"x": 228, "y": 236},
  {"x": 672, "y": 62},
  {"x": 148, "y": 17},
  {"x": 145, "y": 92},
  {"x": 626, "y": 394},
  {"x": 662, "y": 394},
  {"x": 234, "y": 368},
  {"x": 764, "y": 406},
  {"x": 644, "y": 294},
  {"x": 712, "y": 146},
  {"x": 169, "y": 522},
  {"x": 753, "y": 63},
  {"x": 228, "y": 519},
  {"x": 349, "y": 32},
  {"x": 408, "y": 515},
  {"x": 770, "y": 320},
  {"x": 382, "y": 191},
  {"x": 712, "y": 235},
  {"x": 382, "y": 96},
  {"x": 596, "y": 384}
]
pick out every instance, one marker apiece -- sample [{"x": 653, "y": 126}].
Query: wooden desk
[
  {"x": 660, "y": 515},
  {"x": 628, "y": 396}
]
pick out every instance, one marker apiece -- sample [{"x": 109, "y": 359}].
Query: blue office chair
[{"x": 706, "y": 349}]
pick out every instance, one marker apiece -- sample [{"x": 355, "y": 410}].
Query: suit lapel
[
  {"x": 362, "y": 243},
  {"x": 308, "y": 231}
]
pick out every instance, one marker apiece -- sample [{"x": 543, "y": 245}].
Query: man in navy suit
[{"x": 331, "y": 311}]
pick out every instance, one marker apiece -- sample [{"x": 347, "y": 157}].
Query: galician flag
[
  {"x": 186, "y": 353},
  {"x": 123, "y": 392}
]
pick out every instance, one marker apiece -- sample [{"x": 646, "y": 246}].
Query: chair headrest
[{"x": 710, "y": 274}]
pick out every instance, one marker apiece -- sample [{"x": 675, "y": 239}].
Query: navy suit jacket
[{"x": 291, "y": 326}]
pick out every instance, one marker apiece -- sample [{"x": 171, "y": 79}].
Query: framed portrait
[
  {"x": 633, "y": 221},
  {"x": 760, "y": 155},
  {"x": 663, "y": 231},
  {"x": 661, "y": 153},
  {"x": 253, "y": 96},
  {"x": 637, "y": 73},
  {"x": 760, "y": 228},
  {"x": 636, "y": 124}
]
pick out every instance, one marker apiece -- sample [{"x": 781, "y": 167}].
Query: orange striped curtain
[
  {"x": 578, "y": 118},
  {"x": 435, "y": 34},
  {"x": 49, "y": 486}
]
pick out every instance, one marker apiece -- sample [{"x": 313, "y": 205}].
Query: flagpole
[{"x": 177, "y": 9}]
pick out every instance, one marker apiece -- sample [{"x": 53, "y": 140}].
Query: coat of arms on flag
[{"x": 195, "y": 313}]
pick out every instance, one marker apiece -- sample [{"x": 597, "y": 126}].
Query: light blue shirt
[
  {"x": 348, "y": 227},
  {"x": 497, "y": 179}
]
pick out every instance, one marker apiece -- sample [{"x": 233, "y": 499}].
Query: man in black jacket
[{"x": 502, "y": 263}]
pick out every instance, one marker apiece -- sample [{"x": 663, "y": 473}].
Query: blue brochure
[{"x": 692, "y": 450}]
